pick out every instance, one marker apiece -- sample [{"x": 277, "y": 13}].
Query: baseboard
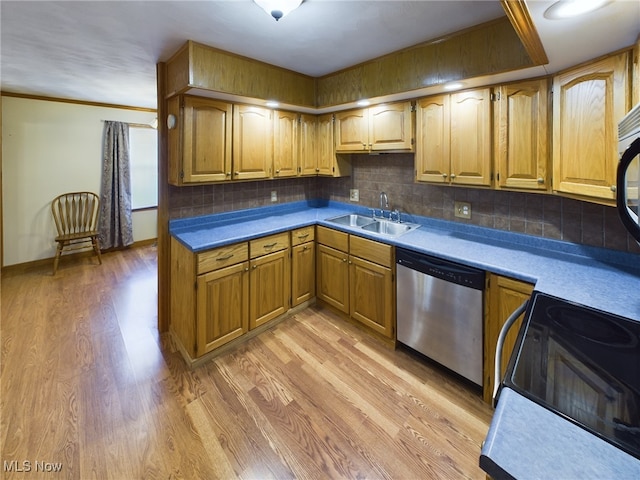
[{"x": 22, "y": 268}]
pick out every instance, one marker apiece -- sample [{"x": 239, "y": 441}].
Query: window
[{"x": 143, "y": 155}]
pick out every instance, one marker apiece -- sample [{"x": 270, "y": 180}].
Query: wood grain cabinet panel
[
  {"x": 328, "y": 163},
  {"x": 332, "y": 271},
  {"x": 372, "y": 299},
  {"x": 588, "y": 103},
  {"x": 223, "y": 297},
  {"x": 503, "y": 296},
  {"x": 286, "y": 149},
  {"x": 453, "y": 142},
  {"x": 303, "y": 266},
  {"x": 200, "y": 142},
  {"x": 269, "y": 287},
  {"x": 385, "y": 127},
  {"x": 252, "y": 142},
  {"x": 308, "y": 153},
  {"x": 522, "y": 131}
]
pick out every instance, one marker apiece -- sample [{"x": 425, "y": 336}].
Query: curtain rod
[{"x": 135, "y": 125}]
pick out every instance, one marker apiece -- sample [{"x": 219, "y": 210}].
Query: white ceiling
[{"x": 107, "y": 51}]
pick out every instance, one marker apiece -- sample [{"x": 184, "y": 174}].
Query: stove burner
[{"x": 591, "y": 326}]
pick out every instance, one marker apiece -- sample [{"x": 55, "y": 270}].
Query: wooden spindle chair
[{"x": 76, "y": 217}]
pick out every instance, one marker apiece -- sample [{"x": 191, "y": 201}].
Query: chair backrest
[{"x": 76, "y": 212}]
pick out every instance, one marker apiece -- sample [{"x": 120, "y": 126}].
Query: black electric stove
[{"x": 582, "y": 364}]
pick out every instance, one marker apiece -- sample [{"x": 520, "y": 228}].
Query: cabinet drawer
[
  {"x": 373, "y": 251},
  {"x": 333, "y": 238},
  {"x": 270, "y": 244},
  {"x": 222, "y": 257},
  {"x": 302, "y": 235}
]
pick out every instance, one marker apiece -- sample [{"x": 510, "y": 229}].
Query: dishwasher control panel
[{"x": 442, "y": 269}]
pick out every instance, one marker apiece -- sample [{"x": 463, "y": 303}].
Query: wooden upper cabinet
[
  {"x": 386, "y": 127},
  {"x": 329, "y": 164},
  {"x": 391, "y": 127},
  {"x": 432, "y": 139},
  {"x": 588, "y": 103},
  {"x": 522, "y": 135},
  {"x": 200, "y": 142},
  {"x": 471, "y": 137},
  {"x": 352, "y": 130},
  {"x": 308, "y": 151},
  {"x": 453, "y": 142},
  {"x": 285, "y": 144},
  {"x": 252, "y": 142}
]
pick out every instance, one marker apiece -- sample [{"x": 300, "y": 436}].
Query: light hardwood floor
[{"x": 87, "y": 382}]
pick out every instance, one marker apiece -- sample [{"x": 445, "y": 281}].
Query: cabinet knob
[
  {"x": 278, "y": 171},
  {"x": 540, "y": 180},
  {"x": 344, "y": 259},
  {"x": 254, "y": 266},
  {"x": 444, "y": 175},
  {"x": 236, "y": 173},
  {"x": 246, "y": 269},
  {"x": 317, "y": 169},
  {"x": 613, "y": 188},
  {"x": 228, "y": 174},
  {"x": 453, "y": 175}
]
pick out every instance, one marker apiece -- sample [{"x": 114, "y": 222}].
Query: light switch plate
[
  {"x": 462, "y": 209},
  {"x": 354, "y": 195},
  {"x": 274, "y": 196}
]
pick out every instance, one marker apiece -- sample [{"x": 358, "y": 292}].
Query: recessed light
[
  {"x": 454, "y": 86},
  {"x": 272, "y": 104},
  {"x": 363, "y": 103},
  {"x": 572, "y": 8}
]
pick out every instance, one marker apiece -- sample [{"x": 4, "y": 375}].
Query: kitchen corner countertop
[
  {"x": 603, "y": 279},
  {"x": 526, "y": 440}
]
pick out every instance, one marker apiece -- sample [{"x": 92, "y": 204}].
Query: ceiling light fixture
[
  {"x": 572, "y": 8},
  {"x": 278, "y": 8}
]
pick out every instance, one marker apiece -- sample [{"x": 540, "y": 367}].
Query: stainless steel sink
[
  {"x": 352, "y": 220},
  {"x": 374, "y": 225},
  {"x": 384, "y": 227}
]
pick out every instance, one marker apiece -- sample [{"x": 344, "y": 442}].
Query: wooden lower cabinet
[
  {"x": 332, "y": 272},
  {"x": 268, "y": 287},
  {"x": 503, "y": 296},
  {"x": 371, "y": 295},
  {"x": 355, "y": 275},
  {"x": 222, "y": 306},
  {"x": 303, "y": 265}
]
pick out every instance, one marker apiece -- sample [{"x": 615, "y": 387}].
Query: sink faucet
[{"x": 384, "y": 202}]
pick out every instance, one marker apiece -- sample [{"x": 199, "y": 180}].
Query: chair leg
[
  {"x": 57, "y": 258},
  {"x": 96, "y": 248}
]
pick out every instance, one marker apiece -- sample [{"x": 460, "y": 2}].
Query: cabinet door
[
  {"x": 391, "y": 127},
  {"x": 432, "y": 139},
  {"x": 329, "y": 163},
  {"x": 352, "y": 131},
  {"x": 206, "y": 140},
  {"x": 471, "y": 137},
  {"x": 504, "y": 296},
  {"x": 285, "y": 144},
  {"x": 252, "y": 142},
  {"x": 332, "y": 270},
  {"x": 308, "y": 153},
  {"x": 588, "y": 103},
  {"x": 522, "y": 121},
  {"x": 372, "y": 295},
  {"x": 303, "y": 273},
  {"x": 269, "y": 286},
  {"x": 222, "y": 306}
]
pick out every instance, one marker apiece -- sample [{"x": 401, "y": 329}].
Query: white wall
[{"x": 49, "y": 148}]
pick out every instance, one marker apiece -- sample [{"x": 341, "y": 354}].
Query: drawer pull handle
[
  {"x": 303, "y": 235},
  {"x": 222, "y": 259},
  {"x": 270, "y": 245}
]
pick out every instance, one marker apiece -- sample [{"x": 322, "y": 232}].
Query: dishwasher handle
[{"x": 501, "y": 338}]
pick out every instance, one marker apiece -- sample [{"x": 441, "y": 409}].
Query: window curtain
[{"x": 115, "y": 226}]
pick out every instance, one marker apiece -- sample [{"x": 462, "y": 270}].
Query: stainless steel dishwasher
[{"x": 440, "y": 311}]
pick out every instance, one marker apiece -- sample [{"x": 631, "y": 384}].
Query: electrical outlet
[
  {"x": 274, "y": 196},
  {"x": 354, "y": 195},
  {"x": 462, "y": 209}
]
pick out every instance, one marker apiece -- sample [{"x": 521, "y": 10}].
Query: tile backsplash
[{"x": 548, "y": 216}]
